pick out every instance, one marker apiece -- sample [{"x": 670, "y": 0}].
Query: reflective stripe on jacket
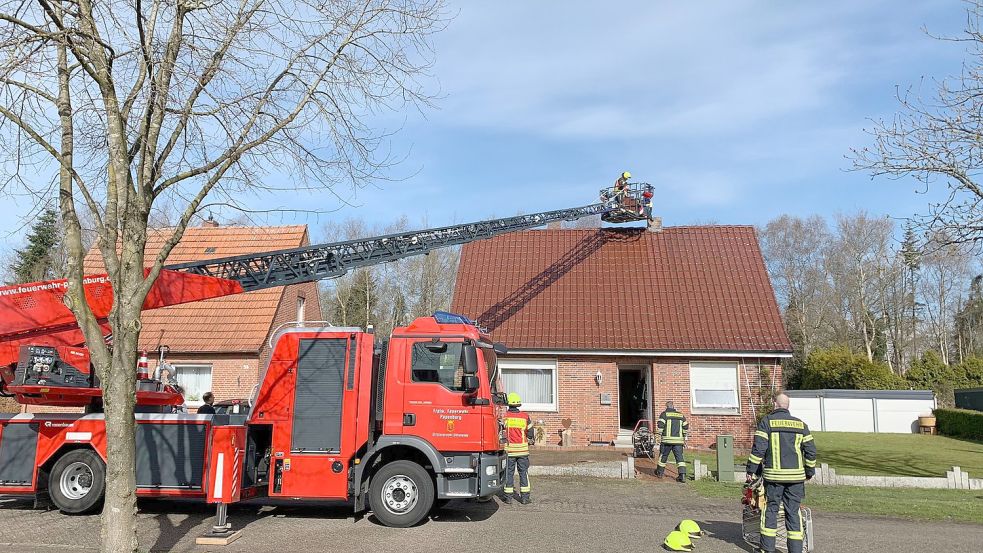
[
  {"x": 673, "y": 427},
  {"x": 784, "y": 448},
  {"x": 517, "y": 429}
]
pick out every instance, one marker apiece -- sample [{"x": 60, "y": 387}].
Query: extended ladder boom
[
  {"x": 36, "y": 314},
  {"x": 279, "y": 268}
]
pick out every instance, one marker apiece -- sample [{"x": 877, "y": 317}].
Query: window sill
[
  {"x": 539, "y": 408},
  {"x": 713, "y": 411}
]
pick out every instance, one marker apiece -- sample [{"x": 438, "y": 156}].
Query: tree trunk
[{"x": 119, "y": 389}]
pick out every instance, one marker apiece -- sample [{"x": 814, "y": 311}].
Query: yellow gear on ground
[
  {"x": 690, "y": 527},
  {"x": 678, "y": 541}
]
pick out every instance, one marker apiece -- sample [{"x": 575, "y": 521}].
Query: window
[
  {"x": 195, "y": 380},
  {"x": 441, "y": 367},
  {"x": 533, "y": 380},
  {"x": 714, "y": 388},
  {"x": 301, "y": 300}
]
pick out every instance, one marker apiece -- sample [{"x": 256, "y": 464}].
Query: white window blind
[
  {"x": 195, "y": 380},
  {"x": 533, "y": 380},
  {"x": 714, "y": 387}
]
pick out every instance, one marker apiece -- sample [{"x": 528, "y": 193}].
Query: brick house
[
  {"x": 221, "y": 344},
  {"x": 604, "y": 325}
]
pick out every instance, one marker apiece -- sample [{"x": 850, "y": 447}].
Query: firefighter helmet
[
  {"x": 514, "y": 400},
  {"x": 678, "y": 541},
  {"x": 626, "y": 175},
  {"x": 690, "y": 527}
]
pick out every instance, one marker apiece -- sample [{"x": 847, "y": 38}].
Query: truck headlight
[{"x": 490, "y": 470}]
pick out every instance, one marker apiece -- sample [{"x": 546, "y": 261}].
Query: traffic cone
[{"x": 143, "y": 367}]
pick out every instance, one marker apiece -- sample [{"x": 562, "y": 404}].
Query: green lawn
[
  {"x": 885, "y": 454},
  {"x": 943, "y": 505},
  {"x": 898, "y": 454}
]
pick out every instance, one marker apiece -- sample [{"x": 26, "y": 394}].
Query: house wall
[
  {"x": 579, "y": 398},
  {"x": 287, "y": 312},
  {"x": 233, "y": 374}
]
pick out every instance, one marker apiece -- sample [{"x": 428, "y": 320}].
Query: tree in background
[
  {"x": 38, "y": 260},
  {"x": 125, "y": 105},
  {"x": 969, "y": 322},
  {"x": 857, "y": 286},
  {"x": 937, "y": 140},
  {"x": 390, "y": 295}
]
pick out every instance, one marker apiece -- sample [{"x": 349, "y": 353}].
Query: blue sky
[{"x": 736, "y": 111}]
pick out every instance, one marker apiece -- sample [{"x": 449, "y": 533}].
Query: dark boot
[
  {"x": 524, "y": 499},
  {"x": 506, "y": 498},
  {"x": 659, "y": 472},
  {"x": 681, "y": 478}
]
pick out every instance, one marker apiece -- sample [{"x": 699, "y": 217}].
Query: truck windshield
[{"x": 491, "y": 365}]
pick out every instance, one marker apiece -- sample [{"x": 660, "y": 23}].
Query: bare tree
[
  {"x": 937, "y": 141},
  {"x": 122, "y": 104},
  {"x": 946, "y": 270},
  {"x": 859, "y": 264}
]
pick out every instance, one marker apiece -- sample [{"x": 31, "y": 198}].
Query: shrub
[
  {"x": 930, "y": 373},
  {"x": 959, "y": 423},
  {"x": 839, "y": 368}
]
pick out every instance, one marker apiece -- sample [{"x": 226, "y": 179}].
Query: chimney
[
  {"x": 210, "y": 222},
  {"x": 656, "y": 225}
]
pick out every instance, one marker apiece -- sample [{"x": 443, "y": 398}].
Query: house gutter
[{"x": 652, "y": 353}]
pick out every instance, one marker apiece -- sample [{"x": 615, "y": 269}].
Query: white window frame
[
  {"x": 504, "y": 365},
  {"x": 211, "y": 377},
  {"x": 715, "y": 410}
]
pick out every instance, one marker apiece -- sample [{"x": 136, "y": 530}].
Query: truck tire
[
  {"x": 401, "y": 494},
  {"x": 77, "y": 482}
]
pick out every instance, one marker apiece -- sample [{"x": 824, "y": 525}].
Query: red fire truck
[{"x": 394, "y": 425}]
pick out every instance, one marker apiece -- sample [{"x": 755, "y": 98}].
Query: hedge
[{"x": 959, "y": 423}]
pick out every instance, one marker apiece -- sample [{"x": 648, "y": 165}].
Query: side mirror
[
  {"x": 500, "y": 398},
  {"x": 471, "y": 383},
  {"x": 470, "y": 360},
  {"x": 499, "y": 348}
]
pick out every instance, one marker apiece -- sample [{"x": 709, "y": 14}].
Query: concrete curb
[
  {"x": 954, "y": 479},
  {"x": 622, "y": 470}
]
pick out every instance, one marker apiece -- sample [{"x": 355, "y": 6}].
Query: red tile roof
[
  {"x": 683, "y": 289},
  {"x": 232, "y": 324}
]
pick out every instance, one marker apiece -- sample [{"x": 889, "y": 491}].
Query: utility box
[{"x": 725, "y": 458}]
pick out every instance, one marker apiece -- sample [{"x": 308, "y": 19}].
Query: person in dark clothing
[
  {"x": 673, "y": 428},
  {"x": 785, "y": 454},
  {"x": 207, "y": 408}
]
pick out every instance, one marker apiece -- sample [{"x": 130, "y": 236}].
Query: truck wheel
[
  {"x": 401, "y": 494},
  {"x": 77, "y": 482}
]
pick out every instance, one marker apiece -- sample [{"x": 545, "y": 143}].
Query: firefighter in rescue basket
[
  {"x": 673, "y": 429},
  {"x": 519, "y": 434}
]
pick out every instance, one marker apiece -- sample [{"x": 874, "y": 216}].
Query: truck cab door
[{"x": 438, "y": 395}]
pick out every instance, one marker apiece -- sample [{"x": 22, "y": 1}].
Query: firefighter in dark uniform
[
  {"x": 519, "y": 433},
  {"x": 785, "y": 454},
  {"x": 673, "y": 428}
]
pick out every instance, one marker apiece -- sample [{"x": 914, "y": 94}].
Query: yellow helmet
[
  {"x": 678, "y": 541},
  {"x": 626, "y": 175},
  {"x": 514, "y": 400},
  {"x": 691, "y": 528}
]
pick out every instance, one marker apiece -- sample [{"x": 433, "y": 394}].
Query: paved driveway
[{"x": 568, "y": 515}]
